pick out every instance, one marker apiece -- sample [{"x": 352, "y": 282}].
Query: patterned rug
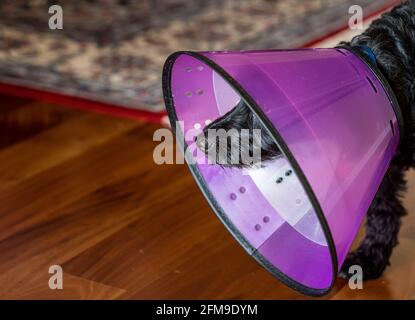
[{"x": 112, "y": 51}]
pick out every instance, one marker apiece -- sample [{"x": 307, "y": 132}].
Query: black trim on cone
[{"x": 166, "y": 80}]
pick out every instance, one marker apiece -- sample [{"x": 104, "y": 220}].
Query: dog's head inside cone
[{"x": 337, "y": 126}]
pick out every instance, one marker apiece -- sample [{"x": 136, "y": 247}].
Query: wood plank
[
  {"x": 73, "y": 288},
  {"x": 91, "y": 169},
  {"x": 52, "y": 147},
  {"x": 22, "y": 119}
]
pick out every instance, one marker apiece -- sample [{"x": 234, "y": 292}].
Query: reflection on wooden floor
[{"x": 81, "y": 190}]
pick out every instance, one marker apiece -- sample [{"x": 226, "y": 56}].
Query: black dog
[{"x": 392, "y": 40}]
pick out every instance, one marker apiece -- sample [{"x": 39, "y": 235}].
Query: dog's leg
[{"x": 382, "y": 227}]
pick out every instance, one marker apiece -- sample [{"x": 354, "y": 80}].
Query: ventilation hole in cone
[
  {"x": 371, "y": 83},
  {"x": 341, "y": 51},
  {"x": 393, "y": 129}
]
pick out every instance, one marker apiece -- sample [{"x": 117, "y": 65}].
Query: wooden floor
[{"x": 81, "y": 190}]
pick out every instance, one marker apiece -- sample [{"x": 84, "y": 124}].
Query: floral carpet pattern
[{"x": 113, "y": 50}]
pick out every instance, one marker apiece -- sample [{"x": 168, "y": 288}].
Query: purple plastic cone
[{"x": 337, "y": 124}]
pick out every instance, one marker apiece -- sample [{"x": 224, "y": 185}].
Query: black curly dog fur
[{"x": 392, "y": 40}]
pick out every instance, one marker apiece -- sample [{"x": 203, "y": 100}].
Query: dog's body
[{"x": 392, "y": 40}]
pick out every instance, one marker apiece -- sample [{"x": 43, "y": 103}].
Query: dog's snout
[{"x": 203, "y": 143}]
